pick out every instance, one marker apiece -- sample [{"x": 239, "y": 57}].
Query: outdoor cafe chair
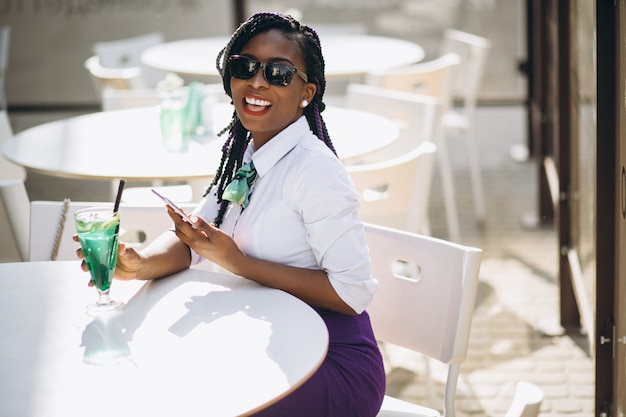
[
  {"x": 472, "y": 51},
  {"x": 433, "y": 78},
  {"x": 396, "y": 192},
  {"x": 425, "y": 303},
  {"x": 8, "y": 170},
  {"x": 416, "y": 115},
  {"x": 14, "y": 218},
  {"x": 52, "y": 226},
  {"x": 405, "y": 199},
  {"x": 13, "y": 196},
  {"x": 117, "y": 63}
]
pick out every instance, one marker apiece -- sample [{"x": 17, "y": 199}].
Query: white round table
[
  {"x": 197, "y": 343},
  {"x": 344, "y": 55},
  {"x": 127, "y": 144}
]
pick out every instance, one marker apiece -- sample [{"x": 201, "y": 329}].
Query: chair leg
[
  {"x": 477, "y": 183},
  {"x": 425, "y": 227},
  {"x": 430, "y": 385},
  {"x": 445, "y": 168}
]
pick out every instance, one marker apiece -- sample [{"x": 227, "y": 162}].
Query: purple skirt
[{"x": 350, "y": 381}]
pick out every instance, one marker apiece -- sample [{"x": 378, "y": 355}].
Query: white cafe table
[
  {"x": 344, "y": 54},
  {"x": 197, "y": 343},
  {"x": 127, "y": 144}
]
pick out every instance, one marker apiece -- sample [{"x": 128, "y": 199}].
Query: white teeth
[{"x": 257, "y": 102}]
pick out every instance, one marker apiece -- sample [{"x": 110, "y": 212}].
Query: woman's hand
[
  {"x": 208, "y": 241},
  {"x": 128, "y": 262},
  {"x": 79, "y": 255}
]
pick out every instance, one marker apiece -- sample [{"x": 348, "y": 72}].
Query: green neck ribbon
[{"x": 238, "y": 191}]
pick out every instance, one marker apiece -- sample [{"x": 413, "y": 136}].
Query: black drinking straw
[{"x": 118, "y": 199}]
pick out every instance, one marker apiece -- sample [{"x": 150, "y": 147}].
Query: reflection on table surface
[
  {"x": 344, "y": 55},
  {"x": 194, "y": 344}
]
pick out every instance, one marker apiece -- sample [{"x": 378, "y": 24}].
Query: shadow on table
[{"x": 106, "y": 339}]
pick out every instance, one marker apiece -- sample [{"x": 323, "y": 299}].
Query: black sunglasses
[{"x": 243, "y": 67}]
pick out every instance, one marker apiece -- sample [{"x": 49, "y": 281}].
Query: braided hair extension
[{"x": 238, "y": 136}]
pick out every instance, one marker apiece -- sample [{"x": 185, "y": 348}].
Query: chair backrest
[
  {"x": 472, "y": 51},
  {"x": 527, "y": 400},
  {"x": 416, "y": 115},
  {"x": 126, "y": 53},
  {"x": 432, "y": 78},
  {"x": 15, "y": 224},
  {"x": 396, "y": 192},
  {"x": 14, "y": 221},
  {"x": 112, "y": 78},
  {"x": 139, "y": 226},
  {"x": 426, "y": 297}
]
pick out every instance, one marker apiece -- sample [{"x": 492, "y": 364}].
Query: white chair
[
  {"x": 404, "y": 203},
  {"x": 14, "y": 223},
  {"x": 117, "y": 64},
  {"x": 473, "y": 51},
  {"x": 429, "y": 313},
  {"x": 139, "y": 225},
  {"x": 8, "y": 170},
  {"x": 14, "y": 213},
  {"x": 112, "y": 78},
  {"x": 416, "y": 115},
  {"x": 527, "y": 400},
  {"x": 431, "y": 78},
  {"x": 396, "y": 192}
]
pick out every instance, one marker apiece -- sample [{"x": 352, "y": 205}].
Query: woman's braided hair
[{"x": 238, "y": 136}]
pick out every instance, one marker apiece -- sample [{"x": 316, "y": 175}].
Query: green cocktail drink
[{"x": 97, "y": 230}]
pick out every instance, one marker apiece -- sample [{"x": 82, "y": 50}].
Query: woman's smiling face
[{"x": 265, "y": 109}]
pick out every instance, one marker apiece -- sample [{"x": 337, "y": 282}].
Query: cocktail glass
[{"x": 98, "y": 232}]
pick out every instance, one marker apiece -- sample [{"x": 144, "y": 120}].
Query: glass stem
[{"x": 103, "y": 297}]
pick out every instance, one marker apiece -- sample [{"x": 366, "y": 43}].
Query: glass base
[{"x": 99, "y": 306}]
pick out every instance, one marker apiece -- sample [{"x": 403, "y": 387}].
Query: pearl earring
[{"x": 304, "y": 103}]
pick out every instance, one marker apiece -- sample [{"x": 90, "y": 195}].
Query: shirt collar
[{"x": 279, "y": 146}]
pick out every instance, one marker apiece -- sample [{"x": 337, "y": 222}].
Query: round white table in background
[
  {"x": 344, "y": 55},
  {"x": 197, "y": 343},
  {"x": 127, "y": 144}
]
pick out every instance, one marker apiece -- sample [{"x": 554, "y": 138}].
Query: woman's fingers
[{"x": 79, "y": 255}]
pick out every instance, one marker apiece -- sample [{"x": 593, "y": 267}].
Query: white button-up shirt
[{"x": 302, "y": 212}]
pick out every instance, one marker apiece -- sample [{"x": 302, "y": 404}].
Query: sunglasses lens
[
  {"x": 278, "y": 74},
  {"x": 243, "y": 67}
]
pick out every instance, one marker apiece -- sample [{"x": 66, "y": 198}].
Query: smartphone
[{"x": 174, "y": 207}]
